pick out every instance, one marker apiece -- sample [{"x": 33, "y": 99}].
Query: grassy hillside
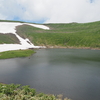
[
  {"x": 16, "y": 53},
  {"x": 62, "y": 35},
  {"x": 8, "y": 39},
  {"x": 65, "y": 35}
]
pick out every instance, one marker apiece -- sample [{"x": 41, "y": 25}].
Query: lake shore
[
  {"x": 56, "y": 71},
  {"x": 72, "y": 47},
  {"x": 14, "y": 53}
]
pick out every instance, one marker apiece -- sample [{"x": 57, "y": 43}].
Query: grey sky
[{"x": 50, "y": 11}]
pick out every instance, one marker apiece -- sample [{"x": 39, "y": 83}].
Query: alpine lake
[{"x": 74, "y": 73}]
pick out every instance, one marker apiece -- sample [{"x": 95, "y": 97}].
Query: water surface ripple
[{"x": 75, "y": 73}]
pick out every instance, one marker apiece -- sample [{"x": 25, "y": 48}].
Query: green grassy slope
[
  {"x": 16, "y": 53},
  {"x": 65, "y": 35},
  {"x": 8, "y": 39}
]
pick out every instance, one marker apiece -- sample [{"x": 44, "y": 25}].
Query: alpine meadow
[{"x": 75, "y": 35}]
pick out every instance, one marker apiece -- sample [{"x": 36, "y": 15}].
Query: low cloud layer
[{"x": 50, "y": 11}]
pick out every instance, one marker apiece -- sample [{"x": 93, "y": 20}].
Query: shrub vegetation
[{"x": 18, "y": 92}]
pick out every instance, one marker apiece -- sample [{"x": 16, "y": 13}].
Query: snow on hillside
[
  {"x": 9, "y": 27},
  {"x": 39, "y": 26}
]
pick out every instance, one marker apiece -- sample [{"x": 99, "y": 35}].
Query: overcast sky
[{"x": 50, "y": 11}]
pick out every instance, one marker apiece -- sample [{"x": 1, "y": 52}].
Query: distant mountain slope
[
  {"x": 64, "y": 35},
  {"x": 78, "y": 35},
  {"x": 7, "y": 27},
  {"x": 10, "y": 40}
]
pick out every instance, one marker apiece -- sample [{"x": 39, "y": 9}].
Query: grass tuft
[{"x": 16, "y": 53}]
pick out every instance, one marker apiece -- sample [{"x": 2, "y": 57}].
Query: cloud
[
  {"x": 50, "y": 11},
  {"x": 75, "y": 11}
]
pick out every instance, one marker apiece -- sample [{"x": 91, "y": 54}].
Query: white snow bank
[
  {"x": 39, "y": 26},
  {"x": 8, "y": 47},
  {"x": 6, "y": 27},
  {"x": 9, "y": 27}
]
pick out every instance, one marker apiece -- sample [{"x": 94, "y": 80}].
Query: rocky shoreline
[{"x": 72, "y": 47}]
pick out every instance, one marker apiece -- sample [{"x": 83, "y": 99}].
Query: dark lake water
[{"x": 75, "y": 73}]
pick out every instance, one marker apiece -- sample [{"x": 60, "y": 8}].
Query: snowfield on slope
[{"x": 10, "y": 27}]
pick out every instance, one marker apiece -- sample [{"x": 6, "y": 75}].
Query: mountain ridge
[{"x": 69, "y": 35}]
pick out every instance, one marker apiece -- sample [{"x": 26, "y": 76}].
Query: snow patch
[
  {"x": 9, "y": 27},
  {"x": 39, "y": 26},
  {"x": 6, "y": 27},
  {"x": 9, "y": 47}
]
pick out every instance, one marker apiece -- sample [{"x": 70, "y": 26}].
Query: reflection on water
[{"x": 75, "y": 73}]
